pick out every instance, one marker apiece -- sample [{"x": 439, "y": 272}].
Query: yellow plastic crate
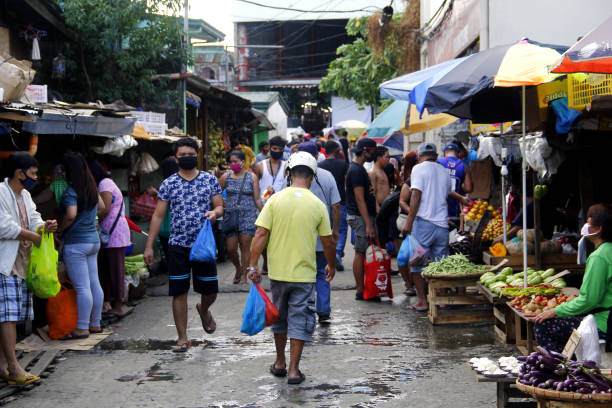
[{"x": 582, "y": 87}]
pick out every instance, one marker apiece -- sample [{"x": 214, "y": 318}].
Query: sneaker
[
  {"x": 324, "y": 318},
  {"x": 339, "y": 264}
]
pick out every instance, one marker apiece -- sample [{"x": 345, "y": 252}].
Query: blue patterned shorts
[{"x": 15, "y": 300}]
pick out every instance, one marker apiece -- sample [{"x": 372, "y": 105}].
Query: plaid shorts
[{"x": 15, "y": 300}]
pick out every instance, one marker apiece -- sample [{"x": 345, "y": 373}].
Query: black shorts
[{"x": 180, "y": 269}]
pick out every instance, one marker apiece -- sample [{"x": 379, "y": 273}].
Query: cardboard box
[{"x": 35, "y": 94}]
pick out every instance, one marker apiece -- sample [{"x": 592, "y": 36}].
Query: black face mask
[
  {"x": 29, "y": 183},
  {"x": 276, "y": 155},
  {"x": 188, "y": 162}
]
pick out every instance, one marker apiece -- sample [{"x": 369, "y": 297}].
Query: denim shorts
[
  {"x": 432, "y": 238},
  {"x": 295, "y": 302}
]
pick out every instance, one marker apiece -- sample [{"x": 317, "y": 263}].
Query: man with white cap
[
  {"x": 428, "y": 217},
  {"x": 293, "y": 218}
]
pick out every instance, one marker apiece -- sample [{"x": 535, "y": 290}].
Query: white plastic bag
[
  {"x": 588, "y": 347},
  {"x": 116, "y": 146},
  {"x": 146, "y": 164},
  {"x": 489, "y": 146}
]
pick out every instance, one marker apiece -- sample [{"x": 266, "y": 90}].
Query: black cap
[{"x": 364, "y": 144}]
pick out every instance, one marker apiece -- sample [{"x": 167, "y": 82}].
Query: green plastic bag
[{"x": 42, "y": 272}]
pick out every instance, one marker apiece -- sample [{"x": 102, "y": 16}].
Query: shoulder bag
[
  {"x": 231, "y": 219},
  {"x": 106, "y": 236}
]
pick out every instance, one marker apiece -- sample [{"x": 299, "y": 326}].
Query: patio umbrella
[
  {"x": 355, "y": 128},
  {"x": 468, "y": 87},
  {"x": 593, "y": 53}
]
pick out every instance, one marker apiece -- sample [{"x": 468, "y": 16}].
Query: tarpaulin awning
[
  {"x": 426, "y": 122},
  {"x": 263, "y": 119},
  {"x": 75, "y": 123}
]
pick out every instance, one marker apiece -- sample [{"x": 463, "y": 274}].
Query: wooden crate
[
  {"x": 557, "y": 261},
  {"x": 467, "y": 294},
  {"x": 507, "y": 390},
  {"x": 503, "y": 317}
]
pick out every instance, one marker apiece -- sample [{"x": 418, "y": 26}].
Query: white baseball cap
[{"x": 302, "y": 159}]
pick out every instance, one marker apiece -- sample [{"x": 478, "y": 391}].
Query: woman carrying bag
[
  {"x": 115, "y": 238},
  {"x": 243, "y": 201}
]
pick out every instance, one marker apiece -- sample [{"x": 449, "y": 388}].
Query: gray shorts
[
  {"x": 359, "y": 228},
  {"x": 296, "y": 305}
]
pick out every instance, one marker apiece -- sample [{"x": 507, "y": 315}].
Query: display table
[
  {"x": 506, "y": 389},
  {"x": 462, "y": 292},
  {"x": 503, "y": 317},
  {"x": 556, "y": 261}
]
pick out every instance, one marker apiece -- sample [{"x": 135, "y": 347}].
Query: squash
[{"x": 498, "y": 249}]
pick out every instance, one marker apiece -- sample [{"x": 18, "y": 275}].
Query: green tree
[
  {"x": 119, "y": 45},
  {"x": 358, "y": 70}
]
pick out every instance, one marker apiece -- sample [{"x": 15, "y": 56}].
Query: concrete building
[{"x": 275, "y": 108}]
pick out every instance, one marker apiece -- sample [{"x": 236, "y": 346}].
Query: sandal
[
  {"x": 278, "y": 372},
  {"x": 206, "y": 325},
  {"x": 297, "y": 380},
  {"x": 72, "y": 336},
  {"x": 181, "y": 347},
  {"x": 95, "y": 330},
  {"x": 24, "y": 379},
  {"x": 418, "y": 309},
  {"x": 4, "y": 376}
]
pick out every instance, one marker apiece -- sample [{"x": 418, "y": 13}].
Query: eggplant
[
  {"x": 557, "y": 355},
  {"x": 559, "y": 386},
  {"x": 584, "y": 390},
  {"x": 522, "y": 358}
]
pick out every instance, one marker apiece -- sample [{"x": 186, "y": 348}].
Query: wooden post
[{"x": 536, "y": 226}]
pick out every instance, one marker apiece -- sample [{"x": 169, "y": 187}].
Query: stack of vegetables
[
  {"x": 533, "y": 305},
  {"x": 507, "y": 277},
  {"x": 456, "y": 264},
  {"x": 135, "y": 265},
  {"x": 553, "y": 371},
  {"x": 494, "y": 229}
]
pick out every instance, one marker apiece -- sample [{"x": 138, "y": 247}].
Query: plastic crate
[
  {"x": 582, "y": 87},
  {"x": 153, "y": 128},
  {"x": 155, "y": 117}
]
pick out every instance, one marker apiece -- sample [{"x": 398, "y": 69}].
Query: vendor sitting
[{"x": 554, "y": 327}]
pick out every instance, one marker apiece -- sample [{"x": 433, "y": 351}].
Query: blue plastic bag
[
  {"x": 204, "y": 248},
  {"x": 254, "y": 315},
  {"x": 411, "y": 253}
]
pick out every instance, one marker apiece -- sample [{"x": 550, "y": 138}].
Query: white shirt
[{"x": 434, "y": 183}]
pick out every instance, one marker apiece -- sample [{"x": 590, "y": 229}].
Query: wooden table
[
  {"x": 464, "y": 296},
  {"x": 524, "y": 337},
  {"x": 506, "y": 389},
  {"x": 556, "y": 261},
  {"x": 502, "y": 315}
]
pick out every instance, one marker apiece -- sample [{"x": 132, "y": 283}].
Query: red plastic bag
[
  {"x": 62, "y": 313},
  {"x": 377, "y": 273},
  {"x": 272, "y": 312},
  {"x": 144, "y": 205}
]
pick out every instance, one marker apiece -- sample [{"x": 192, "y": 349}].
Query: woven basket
[{"x": 562, "y": 395}]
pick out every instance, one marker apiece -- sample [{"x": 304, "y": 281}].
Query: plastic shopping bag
[
  {"x": 588, "y": 346},
  {"x": 259, "y": 311},
  {"x": 62, "y": 313},
  {"x": 42, "y": 271},
  {"x": 411, "y": 253},
  {"x": 204, "y": 249},
  {"x": 377, "y": 267}
]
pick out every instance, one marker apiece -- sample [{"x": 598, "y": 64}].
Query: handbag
[
  {"x": 231, "y": 219},
  {"x": 106, "y": 236}
]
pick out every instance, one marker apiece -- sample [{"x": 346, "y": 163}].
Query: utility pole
[{"x": 184, "y": 70}]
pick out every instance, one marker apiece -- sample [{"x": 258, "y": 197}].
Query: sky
[{"x": 222, "y": 14}]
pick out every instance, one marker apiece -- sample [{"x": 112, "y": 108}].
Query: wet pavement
[{"x": 371, "y": 355}]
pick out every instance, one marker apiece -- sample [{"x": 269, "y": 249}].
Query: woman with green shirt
[{"x": 554, "y": 327}]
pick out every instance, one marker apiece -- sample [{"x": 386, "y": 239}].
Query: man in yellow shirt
[{"x": 293, "y": 218}]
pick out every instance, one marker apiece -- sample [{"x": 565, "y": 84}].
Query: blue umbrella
[{"x": 390, "y": 120}]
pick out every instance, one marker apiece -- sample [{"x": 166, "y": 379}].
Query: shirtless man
[{"x": 380, "y": 181}]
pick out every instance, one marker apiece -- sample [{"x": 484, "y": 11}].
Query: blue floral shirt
[{"x": 188, "y": 201}]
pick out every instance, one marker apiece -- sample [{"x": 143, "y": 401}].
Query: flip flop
[
  {"x": 95, "y": 330},
  {"x": 24, "y": 379},
  {"x": 278, "y": 372},
  {"x": 4, "y": 376},
  {"x": 206, "y": 324},
  {"x": 410, "y": 292},
  {"x": 236, "y": 281},
  {"x": 418, "y": 309},
  {"x": 296, "y": 381},
  {"x": 181, "y": 347},
  {"x": 72, "y": 336}
]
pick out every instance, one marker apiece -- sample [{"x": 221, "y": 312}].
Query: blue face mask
[{"x": 29, "y": 183}]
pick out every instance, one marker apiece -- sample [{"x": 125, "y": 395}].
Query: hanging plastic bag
[
  {"x": 204, "y": 248},
  {"x": 411, "y": 253},
  {"x": 259, "y": 311},
  {"x": 377, "y": 266},
  {"x": 588, "y": 346},
  {"x": 42, "y": 271},
  {"x": 62, "y": 313}
]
